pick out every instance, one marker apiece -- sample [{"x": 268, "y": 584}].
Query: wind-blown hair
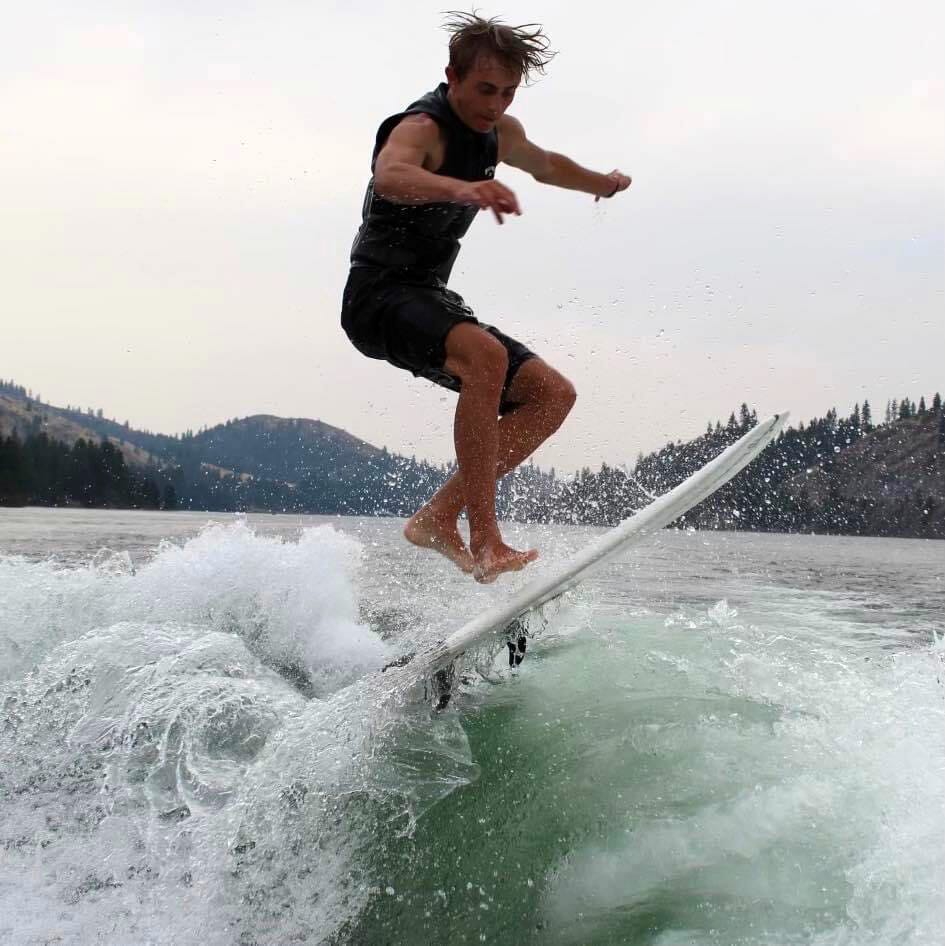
[{"x": 522, "y": 49}]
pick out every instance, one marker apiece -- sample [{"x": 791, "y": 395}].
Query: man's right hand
[{"x": 489, "y": 195}]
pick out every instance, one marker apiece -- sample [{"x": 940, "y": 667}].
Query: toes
[
  {"x": 513, "y": 561},
  {"x": 521, "y": 559}
]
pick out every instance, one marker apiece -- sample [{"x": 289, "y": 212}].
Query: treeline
[
  {"x": 837, "y": 475},
  {"x": 840, "y": 475},
  {"x": 39, "y": 471},
  {"x": 843, "y": 474},
  {"x": 261, "y": 464},
  {"x": 17, "y": 390}
]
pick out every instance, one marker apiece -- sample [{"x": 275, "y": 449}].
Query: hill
[
  {"x": 24, "y": 416},
  {"x": 255, "y": 463},
  {"x": 834, "y": 475},
  {"x": 284, "y": 448},
  {"x": 843, "y": 475},
  {"x": 838, "y": 475},
  {"x": 889, "y": 482}
]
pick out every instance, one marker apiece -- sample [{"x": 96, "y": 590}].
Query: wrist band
[{"x": 614, "y": 191}]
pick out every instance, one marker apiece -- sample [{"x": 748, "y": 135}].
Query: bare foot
[
  {"x": 494, "y": 559},
  {"x": 431, "y": 532}
]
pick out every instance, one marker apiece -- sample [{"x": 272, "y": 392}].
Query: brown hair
[{"x": 523, "y": 49}]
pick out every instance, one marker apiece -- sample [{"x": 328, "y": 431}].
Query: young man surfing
[{"x": 433, "y": 171}]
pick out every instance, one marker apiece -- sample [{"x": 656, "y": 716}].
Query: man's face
[{"x": 481, "y": 97}]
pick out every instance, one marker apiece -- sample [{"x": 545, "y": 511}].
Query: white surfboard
[{"x": 658, "y": 514}]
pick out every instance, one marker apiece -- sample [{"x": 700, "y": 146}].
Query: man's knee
[
  {"x": 536, "y": 382},
  {"x": 475, "y": 357},
  {"x": 557, "y": 392},
  {"x": 565, "y": 394}
]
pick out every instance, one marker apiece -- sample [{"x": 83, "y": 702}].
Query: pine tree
[
  {"x": 867, "y": 417},
  {"x": 744, "y": 417}
]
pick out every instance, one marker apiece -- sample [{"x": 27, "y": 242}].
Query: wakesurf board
[{"x": 556, "y": 581}]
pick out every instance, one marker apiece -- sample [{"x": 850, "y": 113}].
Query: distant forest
[
  {"x": 835, "y": 474},
  {"x": 277, "y": 465},
  {"x": 839, "y": 475},
  {"x": 39, "y": 471}
]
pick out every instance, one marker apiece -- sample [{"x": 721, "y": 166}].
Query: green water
[
  {"x": 628, "y": 793},
  {"x": 722, "y": 739}
]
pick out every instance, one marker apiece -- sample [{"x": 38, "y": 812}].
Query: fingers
[
  {"x": 621, "y": 183},
  {"x": 491, "y": 195},
  {"x": 501, "y": 207},
  {"x": 509, "y": 198}
]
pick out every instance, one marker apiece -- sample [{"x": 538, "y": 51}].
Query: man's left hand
[{"x": 620, "y": 183}]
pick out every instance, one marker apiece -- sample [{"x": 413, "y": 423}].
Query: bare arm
[
  {"x": 404, "y": 172},
  {"x": 549, "y": 167}
]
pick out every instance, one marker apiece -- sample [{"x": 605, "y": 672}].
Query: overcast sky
[{"x": 180, "y": 184}]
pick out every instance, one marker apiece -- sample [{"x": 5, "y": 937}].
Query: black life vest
[{"x": 425, "y": 237}]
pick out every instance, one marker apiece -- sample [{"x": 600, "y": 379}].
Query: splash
[
  {"x": 292, "y": 603},
  {"x": 203, "y": 731}
]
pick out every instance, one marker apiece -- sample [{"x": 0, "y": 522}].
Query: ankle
[
  {"x": 484, "y": 542},
  {"x": 433, "y": 514}
]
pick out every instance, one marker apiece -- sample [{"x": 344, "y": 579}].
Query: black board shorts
[{"x": 405, "y": 318}]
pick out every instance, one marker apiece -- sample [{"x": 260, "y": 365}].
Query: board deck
[{"x": 657, "y": 515}]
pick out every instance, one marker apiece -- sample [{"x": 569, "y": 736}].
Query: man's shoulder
[
  {"x": 511, "y": 134},
  {"x": 420, "y": 120},
  {"x": 417, "y": 128},
  {"x": 511, "y": 126},
  {"x": 419, "y": 124}
]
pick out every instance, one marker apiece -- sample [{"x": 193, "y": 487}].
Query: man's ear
[{"x": 451, "y": 77}]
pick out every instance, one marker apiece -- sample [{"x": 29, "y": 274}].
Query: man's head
[{"x": 488, "y": 62}]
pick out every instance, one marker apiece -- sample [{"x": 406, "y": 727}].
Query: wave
[{"x": 202, "y": 731}]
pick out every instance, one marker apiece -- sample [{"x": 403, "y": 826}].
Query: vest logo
[{"x": 490, "y": 171}]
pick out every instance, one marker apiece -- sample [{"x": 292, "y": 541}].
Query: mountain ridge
[{"x": 833, "y": 474}]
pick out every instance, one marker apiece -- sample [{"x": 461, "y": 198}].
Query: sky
[{"x": 180, "y": 184}]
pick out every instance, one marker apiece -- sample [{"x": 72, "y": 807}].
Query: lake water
[{"x": 720, "y": 739}]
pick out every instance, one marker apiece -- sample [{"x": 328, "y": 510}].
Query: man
[{"x": 433, "y": 168}]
